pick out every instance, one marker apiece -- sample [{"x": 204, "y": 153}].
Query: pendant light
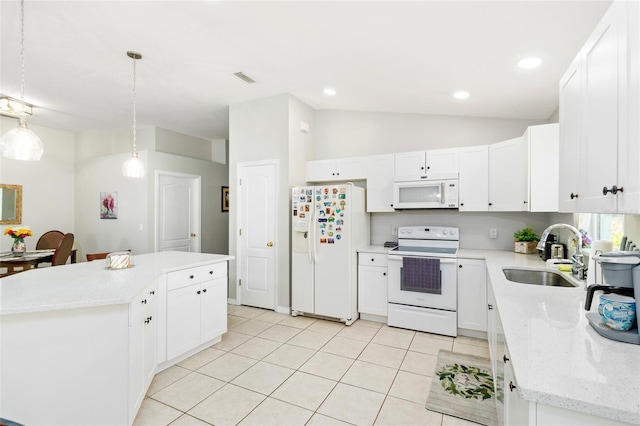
[
  {"x": 21, "y": 143},
  {"x": 134, "y": 167}
]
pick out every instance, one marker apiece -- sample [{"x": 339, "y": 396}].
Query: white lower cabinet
[
  {"x": 142, "y": 345},
  {"x": 514, "y": 410},
  {"x": 372, "y": 284},
  {"x": 196, "y": 307},
  {"x": 472, "y": 294}
]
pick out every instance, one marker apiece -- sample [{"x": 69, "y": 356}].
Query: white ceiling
[{"x": 390, "y": 56}]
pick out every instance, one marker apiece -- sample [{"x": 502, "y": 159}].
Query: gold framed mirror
[{"x": 10, "y": 204}]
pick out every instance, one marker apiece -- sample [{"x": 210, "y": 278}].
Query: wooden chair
[
  {"x": 49, "y": 240},
  {"x": 96, "y": 256},
  {"x": 63, "y": 250}
]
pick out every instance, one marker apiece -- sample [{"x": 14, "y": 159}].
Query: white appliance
[
  {"x": 434, "y": 191},
  {"x": 328, "y": 224},
  {"x": 421, "y": 307}
]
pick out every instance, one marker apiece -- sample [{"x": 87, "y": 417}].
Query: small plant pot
[{"x": 526, "y": 247}]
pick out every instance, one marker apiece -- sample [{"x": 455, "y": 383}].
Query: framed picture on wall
[
  {"x": 225, "y": 199},
  {"x": 108, "y": 205}
]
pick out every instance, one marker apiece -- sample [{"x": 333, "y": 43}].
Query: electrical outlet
[
  {"x": 493, "y": 233},
  {"x": 394, "y": 230}
]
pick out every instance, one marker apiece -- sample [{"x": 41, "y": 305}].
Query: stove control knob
[
  {"x": 445, "y": 232},
  {"x": 409, "y": 231},
  {"x": 402, "y": 231}
]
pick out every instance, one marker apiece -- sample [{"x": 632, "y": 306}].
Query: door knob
[
  {"x": 193, "y": 235},
  {"x": 270, "y": 244}
]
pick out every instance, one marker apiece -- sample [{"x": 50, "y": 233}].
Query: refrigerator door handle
[
  {"x": 309, "y": 238},
  {"x": 313, "y": 225}
]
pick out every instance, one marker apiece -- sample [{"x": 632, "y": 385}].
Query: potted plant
[{"x": 526, "y": 241}]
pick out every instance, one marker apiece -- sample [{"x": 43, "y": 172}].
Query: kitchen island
[
  {"x": 80, "y": 343},
  {"x": 564, "y": 371}
]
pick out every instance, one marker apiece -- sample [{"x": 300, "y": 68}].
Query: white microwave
[{"x": 428, "y": 192}]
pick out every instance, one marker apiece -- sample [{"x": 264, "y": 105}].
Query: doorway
[
  {"x": 178, "y": 212},
  {"x": 257, "y": 236}
]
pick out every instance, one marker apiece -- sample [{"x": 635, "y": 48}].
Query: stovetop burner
[{"x": 427, "y": 241}]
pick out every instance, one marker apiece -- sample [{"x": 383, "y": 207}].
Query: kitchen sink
[{"x": 537, "y": 277}]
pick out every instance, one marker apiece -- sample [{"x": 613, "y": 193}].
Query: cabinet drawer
[
  {"x": 372, "y": 259},
  {"x": 185, "y": 277}
]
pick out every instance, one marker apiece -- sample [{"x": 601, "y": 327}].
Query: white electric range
[{"x": 418, "y": 300}]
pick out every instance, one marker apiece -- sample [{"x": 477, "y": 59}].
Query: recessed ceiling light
[
  {"x": 461, "y": 94},
  {"x": 528, "y": 63},
  {"x": 329, "y": 91}
]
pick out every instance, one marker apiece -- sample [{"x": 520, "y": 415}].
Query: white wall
[
  {"x": 136, "y": 202},
  {"x": 301, "y": 145},
  {"x": 351, "y": 133},
  {"x": 259, "y": 130},
  {"x": 189, "y": 146},
  {"x": 47, "y": 185}
]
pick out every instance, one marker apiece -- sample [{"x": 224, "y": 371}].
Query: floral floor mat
[{"x": 462, "y": 386}]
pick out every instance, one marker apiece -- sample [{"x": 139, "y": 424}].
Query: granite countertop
[
  {"x": 374, "y": 249},
  {"x": 557, "y": 357},
  {"x": 89, "y": 284}
]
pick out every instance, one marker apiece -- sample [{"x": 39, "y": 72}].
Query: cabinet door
[
  {"x": 472, "y": 294},
  {"x": 474, "y": 179},
  {"x": 411, "y": 164},
  {"x": 183, "y": 320},
  {"x": 150, "y": 322},
  {"x": 213, "y": 309},
  {"x": 372, "y": 290},
  {"x": 544, "y": 167},
  {"x": 570, "y": 138},
  {"x": 321, "y": 170},
  {"x": 351, "y": 168},
  {"x": 604, "y": 70},
  {"x": 380, "y": 172},
  {"x": 629, "y": 151},
  {"x": 136, "y": 357},
  {"x": 443, "y": 160},
  {"x": 508, "y": 168},
  {"x": 516, "y": 409}
]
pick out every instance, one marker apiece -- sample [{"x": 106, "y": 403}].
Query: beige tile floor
[{"x": 275, "y": 369}]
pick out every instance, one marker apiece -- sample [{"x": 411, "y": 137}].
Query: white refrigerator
[{"x": 329, "y": 223}]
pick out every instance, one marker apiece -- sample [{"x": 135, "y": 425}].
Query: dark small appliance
[{"x": 547, "y": 252}]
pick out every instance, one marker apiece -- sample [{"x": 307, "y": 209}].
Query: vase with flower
[{"x": 18, "y": 234}]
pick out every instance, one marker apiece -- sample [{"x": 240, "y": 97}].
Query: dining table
[{"x": 30, "y": 259}]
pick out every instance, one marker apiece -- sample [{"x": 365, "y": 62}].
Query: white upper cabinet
[
  {"x": 420, "y": 163},
  {"x": 411, "y": 164},
  {"x": 380, "y": 173},
  {"x": 443, "y": 160},
  {"x": 603, "y": 83},
  {"x": 336, "y": 170},
  {"x": 508, "y": 170},
  {"x": 474, "y": 178},
  {"x": 570, "y": 116},
  {"x": 599, "y": 97},
  {"x": 543, "y": 179}
]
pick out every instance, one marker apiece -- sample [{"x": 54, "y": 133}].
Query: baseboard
[
  {"x": 232, "y": 302},
  {"x": 283, "y": 309},
  {"x": 472, "y": 333},
  {"x": 373, "y": 318}
]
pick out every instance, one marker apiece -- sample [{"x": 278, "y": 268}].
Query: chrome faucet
[{"x": 578, "y": 267}]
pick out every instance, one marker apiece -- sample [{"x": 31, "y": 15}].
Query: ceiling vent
[{"x": 244, "y": 77}]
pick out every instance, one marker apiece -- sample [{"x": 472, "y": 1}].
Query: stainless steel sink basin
[{"x": 537, "y": 277}]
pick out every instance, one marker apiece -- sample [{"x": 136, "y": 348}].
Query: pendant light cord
[
  {"x": 22, "y": 48},
  {"x": 135, "y": 150}
]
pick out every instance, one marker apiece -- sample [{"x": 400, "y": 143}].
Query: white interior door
[
  {"x": 257, "y": 235},
  {"x": 178, "y": 217}
]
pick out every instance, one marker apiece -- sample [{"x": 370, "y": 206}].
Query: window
[{"x": 608, "y": 227}]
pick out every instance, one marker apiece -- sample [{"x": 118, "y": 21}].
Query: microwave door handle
[{"x": 441, "y": 192}]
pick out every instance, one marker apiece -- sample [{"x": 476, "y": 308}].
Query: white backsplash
[{"x": 474, "y": 227}]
